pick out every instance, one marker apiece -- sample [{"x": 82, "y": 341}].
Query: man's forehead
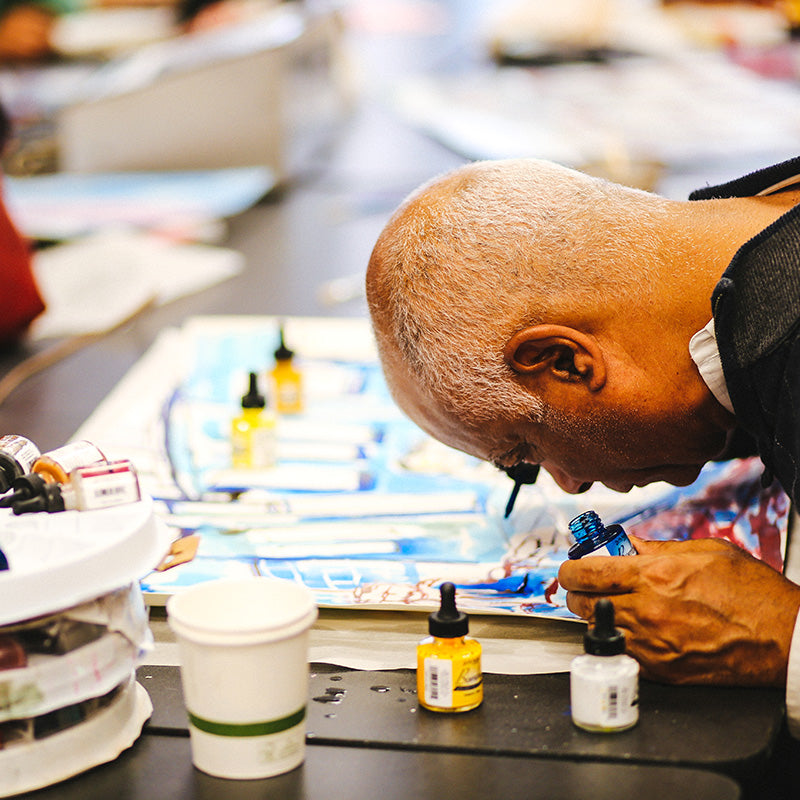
[{"x": 432, "y": 414}]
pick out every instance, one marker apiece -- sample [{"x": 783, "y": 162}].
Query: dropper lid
[
  {"x": 448, "y": 622},
  {"x": 253, "y": 398},
  {"x": 24, "y": 487},
  {"x": 604, "y": 639},
  {"x": 50, "y": 499},
  {"x": 283, "y": 353},
  {"x": 9, "y": 470}
]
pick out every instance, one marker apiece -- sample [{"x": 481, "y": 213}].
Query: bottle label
[
  {"x": 605, "y": 703},
  {"x": 262, "y": 448},
  {"x": 289, "y": 397},
  {"x": 618, "y": 546},
  {"x": 23, "y": 450},
  {"x": 439, "y": 682},
  {"x": 444, "y": 689},
  {"x": 105, "y": 486},
  {"x": 253, "y": 443},
  {"x": 75, "y": 454}
]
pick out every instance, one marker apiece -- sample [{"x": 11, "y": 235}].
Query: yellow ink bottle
[
  {"x": 287, "y": 380},
  {"x": 253, "y": 440},
  {"x": 449, "y": 675}
]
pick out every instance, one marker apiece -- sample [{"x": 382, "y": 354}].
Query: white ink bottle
[{"x": 604, "y": 683}]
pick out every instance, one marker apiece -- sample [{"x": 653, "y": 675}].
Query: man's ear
[{"x": 558, "y": 351}]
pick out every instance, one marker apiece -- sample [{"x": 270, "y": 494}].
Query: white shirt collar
[{"x": 705, "y": 354}]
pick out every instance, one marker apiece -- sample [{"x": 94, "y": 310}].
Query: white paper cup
[{"x": 244, "y": 666}]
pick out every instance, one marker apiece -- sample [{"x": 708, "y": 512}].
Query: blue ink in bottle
[{"x": 594, "y": 538}]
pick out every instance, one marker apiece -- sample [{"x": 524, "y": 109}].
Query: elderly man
[{"x": 529, "y": 314}]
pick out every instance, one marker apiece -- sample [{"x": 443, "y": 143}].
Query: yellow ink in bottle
[
  {"x": 253, "y": 441},
  {"x": 287, "y": 380},
  {"x": 449, "y": 675}
]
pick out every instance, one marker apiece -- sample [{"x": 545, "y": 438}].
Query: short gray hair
[{"x": 473, "y": 256}]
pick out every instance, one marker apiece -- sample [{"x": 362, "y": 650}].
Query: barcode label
[
  {"x": 613, "y": 702},
  {"x": 439, "y": 682}
]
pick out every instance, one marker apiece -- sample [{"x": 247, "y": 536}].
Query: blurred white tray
[
  {"x": 59, "y": 560},
  {"x": 49, "y": 682},
  {"x": 99, "y": 739}
]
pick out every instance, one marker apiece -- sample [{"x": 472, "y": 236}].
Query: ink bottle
[
  {"x": 449, "y": 676},
  {"x": 287, "y": 380},
  {"x": 55, "y": 465},
  {"x": 88, "y": 489},
  {"x": 17, "y": 456},
  {"x": 594, "y": 538},
  {"x": 604, "y": 682},
  {"x": 253, "y": 439}
]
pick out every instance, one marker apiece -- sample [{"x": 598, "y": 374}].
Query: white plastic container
[
  {"x": 59, "y": 560},
  {"x": 49, "y": 682},
  {"x": 99, "y": 739}
]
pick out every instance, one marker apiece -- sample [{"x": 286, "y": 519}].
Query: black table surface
[
  {"x": 729, "y": 731},
  {"x": 367, "y": 737},
  {"x": 159, "y": 766}
]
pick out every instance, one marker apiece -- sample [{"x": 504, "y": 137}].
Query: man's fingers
[
  {"x": 600, "y": 574},
  {"x": 583, "y": 603},
  {"x": 645, "y": 547}
]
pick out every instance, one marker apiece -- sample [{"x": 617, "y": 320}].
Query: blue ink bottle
[
  {"x": 594, "y": 538},
  {"x": 604, "y": 682}
]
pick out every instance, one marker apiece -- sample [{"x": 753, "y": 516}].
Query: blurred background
[{"x": 192, "y": 157}]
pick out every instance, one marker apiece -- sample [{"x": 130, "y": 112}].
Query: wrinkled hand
[{"x": 701, "y": 611}]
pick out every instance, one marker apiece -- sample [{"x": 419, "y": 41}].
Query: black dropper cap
[
  {"x": 448, "y": 622},
  {"x": 10, "y": 469},
  {"x": 604, "y": 639},
  {"x": 283, "y": 353},
  {"x": 50, "y": 499},
  {"x": 24, "y": 487},
  {"x": 253, "y": 398}
]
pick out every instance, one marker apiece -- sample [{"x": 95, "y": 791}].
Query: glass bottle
[
  {"x": 594, "y": 538},
  {"x": 604, "y": 682},
  {"x": 449, "y": 675}
]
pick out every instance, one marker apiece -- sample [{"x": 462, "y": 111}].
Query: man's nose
[{"x": 568, "y": 484}]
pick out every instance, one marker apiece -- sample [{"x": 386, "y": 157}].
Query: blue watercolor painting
[{"x": 362, "y": 506}]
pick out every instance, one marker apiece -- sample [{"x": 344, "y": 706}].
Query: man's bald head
[{"x": 487, "y": 249}]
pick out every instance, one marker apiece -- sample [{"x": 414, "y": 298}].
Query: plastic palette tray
[{"x": 59, "y": 560}]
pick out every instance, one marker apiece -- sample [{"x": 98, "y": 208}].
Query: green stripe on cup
[{"x": 248, "y": 728}]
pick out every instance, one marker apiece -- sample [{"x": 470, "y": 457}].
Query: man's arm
[{"x": 701, "y": 611}]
